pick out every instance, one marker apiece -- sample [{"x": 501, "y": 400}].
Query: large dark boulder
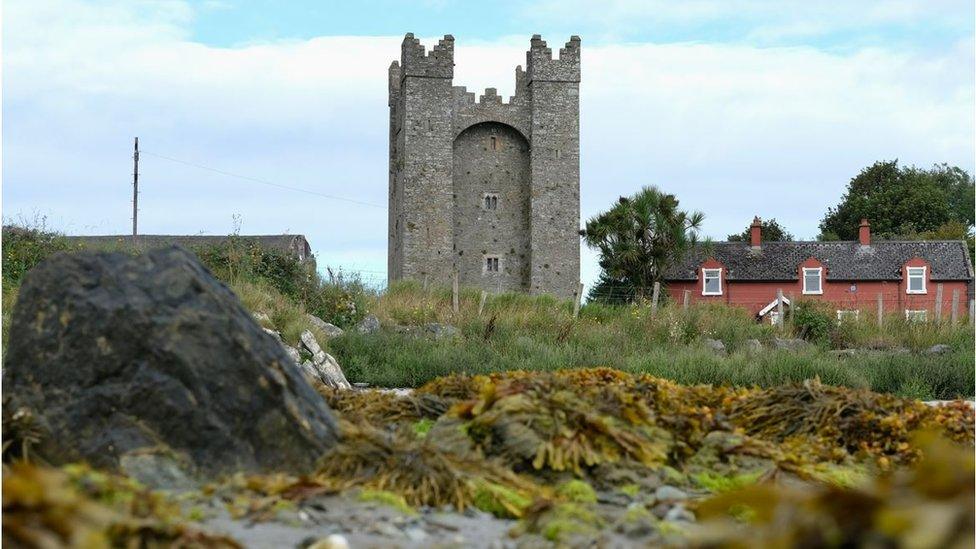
[{"x": 121, "y": 357}]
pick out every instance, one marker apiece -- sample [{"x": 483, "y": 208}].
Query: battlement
[
  {"x": 415, "y": 61},
  {"x": 541, "y": 66},
  {"x": 395, "y": 76}
]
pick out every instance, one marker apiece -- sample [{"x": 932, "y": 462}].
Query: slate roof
[
  {"x": 293, "y": 244},
  {"x": 846, "y": 260}
]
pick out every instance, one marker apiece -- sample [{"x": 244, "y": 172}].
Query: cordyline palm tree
[{"x": 639, "y": 239}]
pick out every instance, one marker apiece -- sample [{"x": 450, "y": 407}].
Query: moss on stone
[
  {"x": 577, "y": 491},
  {"x": 718, "y": 483},
  {"x": 422, "y": 427},
  {"x": 500, "y": 501},
  {"x": 387, "y": 498}
]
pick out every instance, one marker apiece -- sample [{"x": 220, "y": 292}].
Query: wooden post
[
  {"x": 938, "y": 302},
  {"x": 577, "y": 300},
  {"x": 481, "y": 303},
  {"x": 880, "y": 308},
  {"x": 955, "y": 306},
  {"x": 455, "y": 298},
  {"x": 972, "y": 311},
  {"x": 425, "y": 282},
  {"x": 779, "y": 307},
  {"x": 654, "y": 298},
  {"x": 687, "y": 299},
  {"x": 135, "y": 191}
]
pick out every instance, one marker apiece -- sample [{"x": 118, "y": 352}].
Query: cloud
[{"x": 733, "y": 129}]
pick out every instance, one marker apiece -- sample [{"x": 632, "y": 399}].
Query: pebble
[
  {"x": 335, "y": 541},
  {"x": 668, "y": 493},
  {"x": 679, "y": 513},
  {"x": 415, "y": 534}
]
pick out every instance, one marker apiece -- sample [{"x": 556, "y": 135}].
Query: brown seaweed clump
[
  {"x": 840, "y": 421},
  {"x": 430, "y": 470},
  {"x": 926, "y": 505},
  {"x": 78, "y": 507},
  {"x": 548, "y": 421}
]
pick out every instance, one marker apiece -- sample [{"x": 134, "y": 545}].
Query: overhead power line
[{"x": 261, "y": 181}]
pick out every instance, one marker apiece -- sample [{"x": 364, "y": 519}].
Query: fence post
[
  {"x": 455, "y": 298},
  {"x": 880, "y": 308},
  {"x": 654, "y": 298},
  {"x": 481, "y": 304},
  {"x": 779, "y": 307},
  {"x": 577, "y": 299},
  {"x": 955, "y": 305},
  {"x": 938, "y": 302},
  {"x": 972, "y": 312},
  {"x": 687, "y": 299}
]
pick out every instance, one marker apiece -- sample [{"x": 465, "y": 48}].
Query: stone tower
[{"x": 489, "y": 188}]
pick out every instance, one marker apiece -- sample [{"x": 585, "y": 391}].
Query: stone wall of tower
[
  {"x": 422, "y": 235},
  {"x": 447, "y": 151},
  {"x": 553, "y": 86}
]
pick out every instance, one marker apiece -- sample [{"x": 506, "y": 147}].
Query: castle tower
[{"x": 486, "y": 187}]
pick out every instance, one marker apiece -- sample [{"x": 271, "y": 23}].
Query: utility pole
[{"x": 135, "y": 191}]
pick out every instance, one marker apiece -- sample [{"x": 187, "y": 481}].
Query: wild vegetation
[
  {"x": 265, "y": 280},
  {"x": 540, "y": 333},
  {"x": 905, "y": 203}
]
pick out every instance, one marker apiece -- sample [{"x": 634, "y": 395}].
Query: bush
[{"x": 813, "y": 321}]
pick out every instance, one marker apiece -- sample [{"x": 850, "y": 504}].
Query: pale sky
[{"x": 739, "y": 107}]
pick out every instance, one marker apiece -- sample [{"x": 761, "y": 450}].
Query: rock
[
  {"x": 938, "y": 349},
  {"x": 415, "y": 534},
  {"x": 368, "y": 325},
  {"x": 334, "y": 541},
  {"x": 669, "y": 494},
  {"x": 262, "y": 318},
  {"x": 790, "y": 344},
  {"x": 323, "y": 367},
  {"x": 679, "y": 513},
  {"x": 441, "y": 331},
  {"x": 119, "y": 356},
  {"x": 714, "y": 345},
  {"x": 294, "y": 353},
  {"x": 753, "y": 346},
  {"x": 330, "y": 330},
  {"x": 843, "y": 353}
]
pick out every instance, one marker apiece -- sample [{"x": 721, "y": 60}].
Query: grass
[
  {"x": 538, "y": 333},
  {"x": 517, "y": 331}
]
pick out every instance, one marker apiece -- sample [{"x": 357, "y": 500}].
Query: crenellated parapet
[
  {"x": 541, "y": 66},
  {"x": 415, "y": 61},
  {"x": 394, "y": 83}
]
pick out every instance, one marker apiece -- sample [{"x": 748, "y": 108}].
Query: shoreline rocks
[{"x": 119, "y": 355}]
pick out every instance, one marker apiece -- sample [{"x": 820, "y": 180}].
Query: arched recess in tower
[{"x": 491, "y": 207}]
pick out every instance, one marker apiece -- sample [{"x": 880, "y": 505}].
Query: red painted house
[{"x": 850, "y": 275}]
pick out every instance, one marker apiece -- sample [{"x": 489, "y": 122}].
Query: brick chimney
[
  {"x": 755, "y": 232},
  {"x": 864, "y": 233}
]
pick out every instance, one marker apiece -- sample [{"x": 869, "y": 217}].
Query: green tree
[
  {"x": 639, "y": 239},
  {"x": 899, "y": 201},
  {"x": 772, "y": 231}
]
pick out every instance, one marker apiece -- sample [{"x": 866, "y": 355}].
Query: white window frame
[
  {"x": 706, "y": 273},
  {"x": 917, "y": 315},
  {"x": 819, "y": 271},
  {"x": 909, "y": 277},
  {"x": 841, "y": 313}
]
